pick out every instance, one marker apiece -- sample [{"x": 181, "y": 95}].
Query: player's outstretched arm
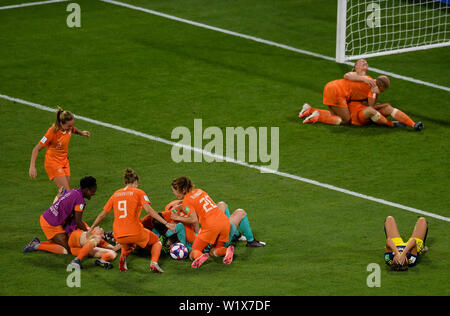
[
  {"x": 82, "y": 133},
  {"x": 98, "y": 220},
  {"x": 191, "y": 219},
  {"x": 156, "y": 216},
  {"x": 353, "y": 76}
]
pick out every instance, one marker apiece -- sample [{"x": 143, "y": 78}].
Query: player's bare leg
[
  {"x": 62, "y": 240},
  {"x": 386, "y": 109},
  {"x": 63, "y": 184},
  {"x": 421, "y": 230},
  {"x": 343, "y": 113},
  {"x": 391, "y": 228},
  {"x": 376, "y": 117}
]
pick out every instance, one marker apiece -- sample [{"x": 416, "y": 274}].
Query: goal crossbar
[{"x": 370, "y": 28}]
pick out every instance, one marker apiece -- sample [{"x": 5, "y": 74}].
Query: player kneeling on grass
[
  {"x": 92, "y": 244},
  {"x": 67, "y": 209},
  {"x": 215, "y": 226},
  {"x": 358, "y": 100},
  {"x": 128, "y": 230},
  {"x": 400, "y": 256}
]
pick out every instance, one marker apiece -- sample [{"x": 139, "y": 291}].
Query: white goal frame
[{"x": 342, "y": 55}]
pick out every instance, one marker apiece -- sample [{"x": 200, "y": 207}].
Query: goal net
[{"x": 368, "y": 28}]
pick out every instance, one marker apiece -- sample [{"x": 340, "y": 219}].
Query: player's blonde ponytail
[{"x": 62, "y": 117}]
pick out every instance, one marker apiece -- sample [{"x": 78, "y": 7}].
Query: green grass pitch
[{"x": 151, "y": 75}]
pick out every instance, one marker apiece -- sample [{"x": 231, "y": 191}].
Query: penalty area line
[{"x": 232, "y": 160}]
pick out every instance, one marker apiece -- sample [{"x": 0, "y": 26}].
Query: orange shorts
[
  {"x": 49, "y": 230},
  {"x": 74, "y": 242},
  {"x": 142, "y": 239},
  {"x": 215, "y": 233},
  {"x": 57, "y": 170},
  {"x": 332, "y": 96},
  {"x": 190, "y": 233},
  {"x": 356, "y": 113},
  {"x": 74, "y": 239}
]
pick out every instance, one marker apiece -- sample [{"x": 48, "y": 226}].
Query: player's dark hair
[
  {"x": 130, "y": 176},
  {"x": 183, "y": 185},
  {"x": 398, "y": 267},
  {"x": 62, "y": 117},
  {"x": 88, "y": 182}
]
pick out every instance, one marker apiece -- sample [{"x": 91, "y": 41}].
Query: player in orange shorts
[
  {"x": 214, "y": 224},
  {"x": 83, "y": 244},
  {"x": 63, "y": 216},
  {"x": 355, "y": 113},
  {"x": 338, "y": 93},
  {"x": 127, "y": 228},
  {"x": 57, "y": 141}
]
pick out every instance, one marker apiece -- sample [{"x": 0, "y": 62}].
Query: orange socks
[
  {"x": 107, "y": 256},
  {"x": 52, "y": 247},
  {"x": 402, "y": 117},
  {"x": 322, "y": 112},
  {"x": 86, "y": 249},
  {"x": 220, "y": 251},
  {"x": 156, "y": 251},
  {"x": 329, "y": 119},
  {"x": 195, "y": 254}
]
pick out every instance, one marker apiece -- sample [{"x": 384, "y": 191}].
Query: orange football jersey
[
  {"x": 208, "y": 212},
  {"x": 57, "y": 144},
  {"x": 127, "y": 204}
]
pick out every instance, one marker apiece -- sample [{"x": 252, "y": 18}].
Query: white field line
[
  {"x": 29, "y": 4},
  {"x": 260, "y": 40},
  {"x": 231, "y": 160}
]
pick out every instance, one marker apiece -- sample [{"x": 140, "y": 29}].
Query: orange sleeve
[
  {"x": 188, "y": 207},
  {"x": 48, "y": 137},
  {"x": 79, "y": 208},
  {"x": 167, "y": 216},
  {"x": 143, "y": 198},
  {"x": 109, "y": 205}
]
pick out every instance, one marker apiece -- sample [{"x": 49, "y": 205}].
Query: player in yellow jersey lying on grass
[{"x": 400, "y": 255}]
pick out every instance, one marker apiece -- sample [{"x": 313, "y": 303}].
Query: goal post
[{"x": 369, "y": 28}]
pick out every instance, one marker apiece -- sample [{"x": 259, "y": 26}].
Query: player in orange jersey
[
  {"x": 214, "y": 224},
  {"x": 173, "y": 213},
  {"x": 338, "y": 93},
  {"x": 361, "y": 115},
  {"x": 359, "y": 111},
  {"x": 57, "y": 141},
  {"x": 128, "y": 229},
  {"x": 359, "y": 73},
  {"x": 93, "y": 244}
]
